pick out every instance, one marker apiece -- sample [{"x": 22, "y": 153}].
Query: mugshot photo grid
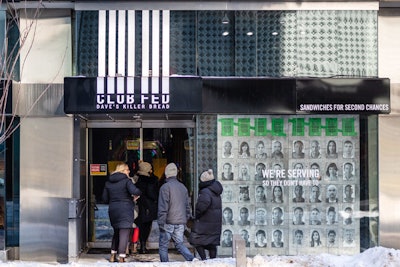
[{"x": 267, "y": 192}]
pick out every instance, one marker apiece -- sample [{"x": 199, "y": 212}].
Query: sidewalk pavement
[{"x": 152, "y": 256}]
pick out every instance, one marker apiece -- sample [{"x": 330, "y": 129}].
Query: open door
[{"x": 109, "y": 146}]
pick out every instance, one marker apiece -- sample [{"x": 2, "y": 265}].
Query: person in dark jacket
[
  {"x": 207, "y": 226},
  {"x": 173, "y": 213},
  {"x": 120, "y": 193},
  {"x": 148, "y": 202}
]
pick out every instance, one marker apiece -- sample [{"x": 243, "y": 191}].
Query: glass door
[{"x": 158, "y": 146}]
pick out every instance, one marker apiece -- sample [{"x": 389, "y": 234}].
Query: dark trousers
[
  {"x": 212, "y": 251},
  {"x": 144, "y": 232},
  {"x": 120, "y": 240}
]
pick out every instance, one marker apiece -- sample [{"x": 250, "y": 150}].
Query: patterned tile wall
[
  {"x": 314, "y": 43},
  {"x": 206, "y": 143}
]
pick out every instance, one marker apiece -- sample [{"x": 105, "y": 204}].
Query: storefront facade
[{"x": 227, "y": 74}]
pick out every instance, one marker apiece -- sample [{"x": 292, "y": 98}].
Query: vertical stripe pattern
[{"x": 117, "y": 64}]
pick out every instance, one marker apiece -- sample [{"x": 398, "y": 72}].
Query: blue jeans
[{"x": 174, "y": 231}]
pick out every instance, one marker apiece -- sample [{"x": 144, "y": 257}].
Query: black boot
[{"x": 143, "y": 249}]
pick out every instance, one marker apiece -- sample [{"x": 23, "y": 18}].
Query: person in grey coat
[
  {"x": 207, "y": 226},
  {"x": 120, "y": 193},
  {"x": 173, "y": 213}
]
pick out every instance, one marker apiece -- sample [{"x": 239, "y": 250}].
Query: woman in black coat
[
  {"x": 206, "y": 230},
  {"x": 148, "y": 202},
  {"x": 120, "y": 193}
]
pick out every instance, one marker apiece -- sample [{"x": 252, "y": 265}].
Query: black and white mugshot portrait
[
  {"x": 298, "y": 194},
  {"x": 315, "y": 150},
  {"x": 244, "y": 217},
  {"x": 331, "y": 216},
  {"x": 246, "y": 237},
  {"x": 315, "y": 194},
  {"x": 315, "y": 239},
  {"x": 227, "y": 150},
  {"x": 348, "y": 193},
  {"x": 331, "y": 194},
  {"x": 331, "y": 240},
  {"x": 244, "y": 193},
  {"x": 244, "y": 172},
  {"x": 259, "y": 169},
  {"x": 228, "y": 194},
  {"x": 244, "y": 150},
  {"x": 349, "y": 238},
  {"x": 332, "y": 172},
  {"x": 261, "y": 216},
  {"x": 331, "y": 150},
  {"x": 260, "y": 195},
  {"x": 277, "y": 237},
  {"x": 348, "y": 171},
  {"x": 227, "y": 216},
  {"x": 315, "y": 217},
  {"x": 227, "y": 173},
  {"x": 227, "y": 236},
  {"x": 348, "y": 149},
  {"x": 347, "y": 215},
  {"x": 298, "y": 237},
  {"x": 299, "y": 166},
  {"x": 277, "y": 153},
  {"x": 261, "y": 239},
  {"x": 298, "y": 150},
  {"x": 277, "y": 216},
  {"x": 260, "y": 150},
  {"x": 277, "y": 194},
  {"x": 298, "y": 214}
]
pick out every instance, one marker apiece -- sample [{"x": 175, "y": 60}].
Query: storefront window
[{"x": 304, "y": 187}]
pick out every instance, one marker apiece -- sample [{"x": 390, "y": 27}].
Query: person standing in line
[
  {"x": 207, "y": 226},
  {"x": 120, "y": 193},
  {"x": 173, "y": 213},
  {"x": 148, "y": 184}
]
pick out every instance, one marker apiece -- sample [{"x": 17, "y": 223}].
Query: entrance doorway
[{"x": 109, "y": 146}]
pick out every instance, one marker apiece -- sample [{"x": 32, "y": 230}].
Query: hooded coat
[
  {"x": 148, "y": 201},
  {"x": 118, "y": 193},
  {"x": 207, "y": 224}
]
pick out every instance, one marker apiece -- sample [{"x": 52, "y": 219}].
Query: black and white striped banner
[{"x": 116, "y": 52}]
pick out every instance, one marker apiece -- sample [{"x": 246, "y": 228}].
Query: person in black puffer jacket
[
  {"x": 207, "y": 225},
  {"x": 148, "y": 202},
  {"x": 120, "y": 193}
]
